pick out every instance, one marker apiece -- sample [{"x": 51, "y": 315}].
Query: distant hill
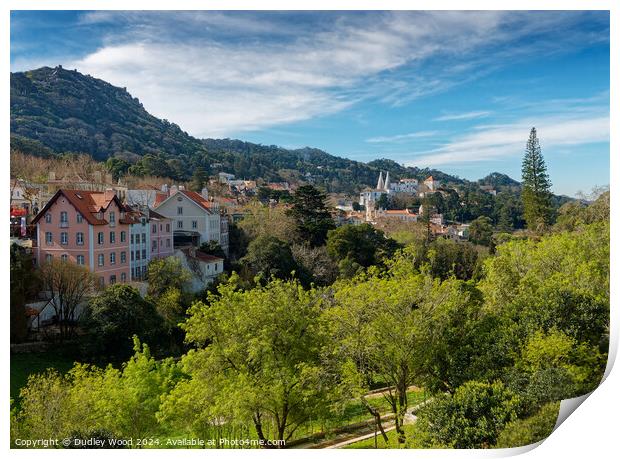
[
  {"x": 54, "y": 111},
  {"x": 499, "y": 180}
]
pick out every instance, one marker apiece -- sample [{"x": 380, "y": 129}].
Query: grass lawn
[
  {"x": 370, "y": 442},
  {"x": 355, "y": 412},
  {"x": 25, "y": 364}
]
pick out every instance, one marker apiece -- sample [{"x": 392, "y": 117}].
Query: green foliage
[
  {"x": 311, "y": 215},
  {"x": 269, "y": 257},
  {"x": 360, "y": 244},
  {"x": 165, "y": 273},
  {"x": 114, "y": 317},
  {"x": 522, "y": 432},
  {"x": 117, "y": 167},
  {"x": 200, "y": 178},
  {"x": 89, "y": 399},
  {"x": 261, "y": 361},
  {"x": 24, "y": 285},
  {"x": 472, "y": 417},
  {"x": 213, "y": 248},
  {"x": 573, "y": 215},
  {"x": 447, "y": 258},
  {"x": 536, "y": 194},
  {"x": 481, "y": 230}
]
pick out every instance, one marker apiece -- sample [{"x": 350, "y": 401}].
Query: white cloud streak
[
  {"x": 463, "y": 116},
  {"x": 508, "y": 140},
  {"x": 402, "y": 137}
]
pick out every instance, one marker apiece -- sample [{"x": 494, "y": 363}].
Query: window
[
  {"x": 80, "y": 259},
  {"x": 112, "y": 218},
  {"x": 137, "y": 254},
  {"x": 48, "y": 238},
  {"x": 123, "y": 277},
  {"x": 100, "y": 238},
  {"x": 64, "y": 238},
  {"x": 144, "y": 238},
  {"x": 64, "y": 257},
  {"x": 154, "y": 246},
  {"x": 179, "y": 224},
  {"x": 132, "y": 255},
  {"x": 167, "y": 227},
  {"x": 48, "y": 218},
  {"x": 179, "y": 210},
  {"x": 194, "y": 224},
  {"x": 132, "y": 238},
  {"x": 161, "y": 227},
  {"x": 64, "y": 219},
  {"x": 123, "y": 236},
  {"x": 113, "y": 258},
  {"x": 144, "y": 254},
  {"x": 123, "y": 257},
  {"x": 79, "y": 238},
  {"x": 48, "y": 257},
  {"x": 79, "y": 218},
  {"x": 113, "y": 279},
  {"x": 144, "y": 270},
  {"x": 167, "y": 242},
  {"x": 154, "y": 228},
  {"x": 100, "y": 259},
  {"x": 112, "y": 237}
]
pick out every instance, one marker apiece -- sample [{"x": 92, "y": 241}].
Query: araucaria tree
[{"x": 537, "y": 207}]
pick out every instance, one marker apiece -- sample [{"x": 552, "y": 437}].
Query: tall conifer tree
[{"x": 536, "y": 194}]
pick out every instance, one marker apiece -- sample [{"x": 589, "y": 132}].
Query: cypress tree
[{"x": 536, "y": 194}]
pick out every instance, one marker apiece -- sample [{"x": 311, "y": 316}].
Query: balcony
[{"x": 64, "y": 224}]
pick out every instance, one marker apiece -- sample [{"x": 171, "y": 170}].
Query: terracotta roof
[
  {"x": 87, "y": 203},
  {"x": 159, "y": 198}
]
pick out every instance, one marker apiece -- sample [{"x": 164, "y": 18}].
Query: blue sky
[{"x": 457, "y": 91}]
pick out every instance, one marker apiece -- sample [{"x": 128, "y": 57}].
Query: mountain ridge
[{"x": 55, "y": 110}]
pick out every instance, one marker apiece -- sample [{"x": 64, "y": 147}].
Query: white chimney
[
  {"x": 164, "y": 188},
  {"x": 205, "y": 193},
  {"x": 173, "y": 189},
  {"x": 181, "y": 188}
]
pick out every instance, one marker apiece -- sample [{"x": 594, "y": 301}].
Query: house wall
[
  {"x": 192, "y": 218},
  {"x": 90, "y": 249}
]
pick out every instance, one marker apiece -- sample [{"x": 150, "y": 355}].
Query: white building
[
  {"x": 204, "y": 268},
  {"x": 192, "y": 212},
  {"x": 369, "y": 196}
]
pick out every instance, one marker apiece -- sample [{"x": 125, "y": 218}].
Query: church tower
[
  {"x": 386, "y": 185},
  {"x": 380, "y": 182}
]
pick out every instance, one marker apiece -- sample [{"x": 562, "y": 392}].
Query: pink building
[
  {"x": 161, "y": 235},
  {"x": 88, "y": 228}
]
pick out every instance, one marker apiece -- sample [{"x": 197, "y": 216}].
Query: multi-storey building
[
  {"x": 88, "y": 228},
  {"x": 193, "y": 213},
  {"x": 150, "y": 237}
]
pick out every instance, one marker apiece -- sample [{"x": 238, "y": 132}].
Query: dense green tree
[
  {"x": 522, "y": 432},
  {"x": 117, "y": 167},
  {"x": 267, "y": 257},
  {"x": 165, "y": 273},
  {"x": 199, "y": 180},
  {"x": 481, "y": 231},
  {"x": 213, "y": 248},
  {"x": 472, "y": 417},
  {"x": 114, "y": 317},
  {"x": 536, "y": 194},
  {"x": 311, "y": 215},
  {"x": 362, "y": 244},
  {"x": 261, "y": 363},
  {"x": 23, "y": 286},
  {"x": 383, "y": 202},
  {"x": 447, "y": 258}
]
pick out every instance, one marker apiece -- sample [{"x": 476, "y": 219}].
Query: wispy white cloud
[
  {"x": 508, "y": 140},
  {"x": 402, "y": 137},
  {"x": 217, "y": 73},
  {"x": 463, "y": 116}
]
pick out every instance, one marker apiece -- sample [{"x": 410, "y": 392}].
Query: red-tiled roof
[
  {"x": 87, "y": 203},
  {"x": 198, "y": 199}
]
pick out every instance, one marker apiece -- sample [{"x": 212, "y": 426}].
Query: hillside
[{"x": 54, "y": 111}]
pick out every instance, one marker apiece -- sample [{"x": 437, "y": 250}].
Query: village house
[
  {"x": 88, "y": 228},
  {"x": 195, "y": 215}
]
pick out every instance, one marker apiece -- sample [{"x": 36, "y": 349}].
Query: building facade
[{"x": 87, "y": 228}]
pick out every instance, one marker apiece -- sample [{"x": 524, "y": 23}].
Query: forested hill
[{"x": 55, "y": 111}]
